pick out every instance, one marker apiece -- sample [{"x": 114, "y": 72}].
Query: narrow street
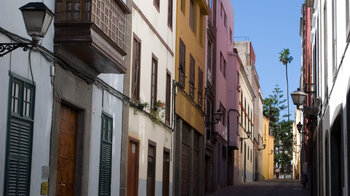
[{"x": 265, "y": 188}]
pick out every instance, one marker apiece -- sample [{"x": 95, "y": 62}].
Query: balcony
[{"x": 94, "y": 31}]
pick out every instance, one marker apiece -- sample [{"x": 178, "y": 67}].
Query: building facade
[
  {"x": 246, "y": 145},
  {"x": 247, "y": 55},
  {"x": 223, "y": 72},
  {"x": 268, "y": 152},
  {"x": 189, "y": 99},
  {"x": 325, "y": 79},
  {"x": 67, "y": 116},
  {"x": 26, "y": 101},
  {"x": 151, "y": 120}
]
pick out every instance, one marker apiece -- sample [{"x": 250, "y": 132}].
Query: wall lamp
[
  {"x": 37, "y": 19},
  {"x": 248, "y": 136},
  {"x": 217, "y": 118},
  {"x": 300, "y": 126},
  {"x": 298, "y": 97},
  {"x": 264, "y": 146}
]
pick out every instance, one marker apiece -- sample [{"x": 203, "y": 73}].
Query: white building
[
  {"x": 329, "y": 70},
  {"x": 26, "y": 100},
  {"x": 151, "y": 117},
  {"x": 246, "y": 129},
  {"x": 62, "y": 129}
]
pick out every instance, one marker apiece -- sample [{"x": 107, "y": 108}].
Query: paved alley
[{"x": 265, "y": 188}]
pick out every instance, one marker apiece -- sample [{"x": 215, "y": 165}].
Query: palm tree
[{"x": 285, "y": 58}]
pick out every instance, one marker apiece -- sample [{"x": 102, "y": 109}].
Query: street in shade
[{"x": 269, "y": 188}]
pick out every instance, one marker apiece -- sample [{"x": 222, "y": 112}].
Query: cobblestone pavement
[{"x": 265, "y": 188}]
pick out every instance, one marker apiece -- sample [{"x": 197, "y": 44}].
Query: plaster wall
[
  {"x": 244, "y": 153},
  {"x": 147, "y": 130},
  {"x": 104, "y": 102},
  {"x": 223, "y": 46},
  {"x": 17, "y": 62}
]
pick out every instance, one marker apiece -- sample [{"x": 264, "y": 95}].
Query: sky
[{"x": 271, "y": 25}]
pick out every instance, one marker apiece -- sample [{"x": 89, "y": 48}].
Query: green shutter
[
  {"x": 106, "y": 156},
  {"x": 19, "y": 140}
]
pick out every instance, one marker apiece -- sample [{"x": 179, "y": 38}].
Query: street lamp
[
  {"x": 264, "y": 146},
  {"x": 298, "y": 97},
  {"x": 217, "y": 116},
  {"x": 300, "y": 126},
  {"x": 248, "y": 136},
  {"x": 37, "y": 19}
]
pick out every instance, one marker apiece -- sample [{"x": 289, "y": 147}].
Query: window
[
  {"x": 242, "y": 108},
  {"x": 200, "y": 87},
  {"x": 151, "y": 168},
  {"x": 182, "y": 63},
  {"x": 231, "y": 36},
  {"x": 106, "y": 156},
  {"x": 221, "y": 10},
  {"x": 248, "y": 153},
  {"x": 170, "y": 13},
  {"x": 154, "y": 81},
  {"x": 186, "y": 134},
  {"x": 135, "y": 89},
  {"x": 167, "y": 98},
  {"x": 19, "y": 136},
  {"x": 334, "y": 36},
  {"x": 156, "y": 4},
  {"x": 224, "y": 71},
  {"x": 225, "y": 20},
  {"x": 222, "y": 64},
  {"x": 221, "y": 61},
  {"x": 183, "y": 6},
  {"x": 209, "y": 59},
  {"x": 192, "y": 16},
  {"x": 192, "y": 76},
  {"x": 223, "y": 116},
  {"x": 347, "y": 9}
]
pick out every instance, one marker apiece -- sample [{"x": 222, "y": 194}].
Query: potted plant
[{"x": 142, "y": 104}]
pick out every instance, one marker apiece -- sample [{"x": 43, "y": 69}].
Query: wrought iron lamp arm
[{"x": 9, "y": 47}]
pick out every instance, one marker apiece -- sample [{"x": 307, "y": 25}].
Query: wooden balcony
[{"x": 94, "y": 31}]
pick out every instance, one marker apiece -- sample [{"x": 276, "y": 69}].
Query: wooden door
[
  {"x": 66, "y": 156},
  {"x": 166, "y": 167},
  {"x": 133, "y": 168}
]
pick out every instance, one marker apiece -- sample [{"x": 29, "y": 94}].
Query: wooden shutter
[
  {"x": 135, "y": 84},
  {"x": 192, "y": 16},
  {"x": 154, "y": 81},
  {"x": 106, "y": 156},
  {"x": 192, "y": 76},
  {"x": 182, "y": 63},
  {"x": 200, "y": 86},
  {"x": 170, "y": 13},
  {"x": 20, "y": 137},
  {"x": 167, "y": 98},
  {"x": 151, "y": 169}
]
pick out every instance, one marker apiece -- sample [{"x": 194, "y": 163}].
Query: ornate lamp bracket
[{"x": 9, "y": 47}]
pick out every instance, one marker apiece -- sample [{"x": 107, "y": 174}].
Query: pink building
[{"x": 225, "y": 94}]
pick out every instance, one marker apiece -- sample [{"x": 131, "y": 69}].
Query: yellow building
[
  {"x": 268, "y": 152},
  {"x": 189, "y": 102}
]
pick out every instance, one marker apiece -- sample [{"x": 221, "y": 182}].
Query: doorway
[
  {"x": 133, "y": 167},
  {"x": 66, "y": 156}
]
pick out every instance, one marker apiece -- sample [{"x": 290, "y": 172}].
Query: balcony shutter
[
  {"x": 106, "y": 156},
  {"x": 182, "y": 64},
  {"x": 192, "y": 76},
  {"x": 200, "y": 86}
]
